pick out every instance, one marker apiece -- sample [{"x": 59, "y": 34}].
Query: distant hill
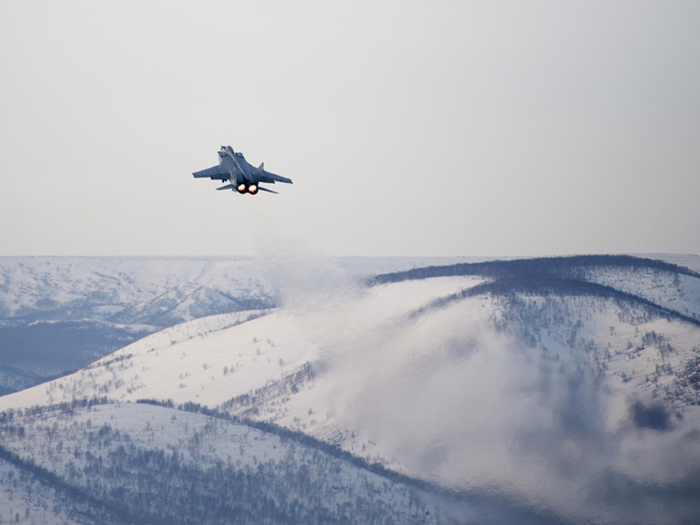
[{"x": 58, "y": 314}]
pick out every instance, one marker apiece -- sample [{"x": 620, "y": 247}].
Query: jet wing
[
  {"x": 272, "y": 178},
  {"x": 218, "y": 172}
]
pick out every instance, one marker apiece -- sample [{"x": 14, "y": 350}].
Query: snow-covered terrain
[
  {"x": 147, "y": 290},
  {"x": 194, "y": 362},
  {"x": 563, "y": 388},
  {"x": 134, "y": 458},
  {"x": 58, "y": 314}
]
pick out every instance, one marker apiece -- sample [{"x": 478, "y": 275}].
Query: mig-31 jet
[{"x": 241, "y": 176}]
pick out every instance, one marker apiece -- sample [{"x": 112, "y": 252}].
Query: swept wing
[
  {"x": 272, "y": 178},
  {"x": 218, "y": 172}
]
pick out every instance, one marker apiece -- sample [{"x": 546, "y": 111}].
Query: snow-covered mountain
[
  {"x": 61, "y": 313},
  {"x": 156, "y": 291},
  {"x": 563, "y": 389},
  {"x": 159, "y": 291},
  {"x": 58, "y": 314}
]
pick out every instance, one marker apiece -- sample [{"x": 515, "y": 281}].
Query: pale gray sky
[{"x": 409, "y": 127}]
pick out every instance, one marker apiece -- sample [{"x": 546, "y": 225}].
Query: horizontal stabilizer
[
  {"x": 265, "y": 189},
  {"x": 227, "y": 187}
]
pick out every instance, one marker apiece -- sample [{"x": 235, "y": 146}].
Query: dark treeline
[
  {"x": 544, "y": 284},
  {"x": 163, "y": 488},
  {"x": 524, "y": 268},
  {"x": 297, "y": 437},
  {"x": 558, "y": 276},
  {"x": 246, "y": 405},
  {"x": 115, "y": 481},
  {"x": 7, "y": 416},
  {"x": 74, "y": 501}
]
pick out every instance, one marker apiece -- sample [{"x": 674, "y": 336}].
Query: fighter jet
[{"x": 242, "y": 177}]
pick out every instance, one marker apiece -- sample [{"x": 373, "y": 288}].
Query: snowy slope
[
  {"x": 677, "y": 292},
  {"x": 196, "y": 362},
  {"x": 145, "y": 463},
  {"x": 29, "y": 500},
  {"x": 556, "y": 397},
  {"x": 692, "y": 262}
]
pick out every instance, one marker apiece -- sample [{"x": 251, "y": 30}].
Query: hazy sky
[{"x": 408, "y": 127}]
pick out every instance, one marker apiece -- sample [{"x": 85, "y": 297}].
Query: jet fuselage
[{"x": 242, "y": 176}]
